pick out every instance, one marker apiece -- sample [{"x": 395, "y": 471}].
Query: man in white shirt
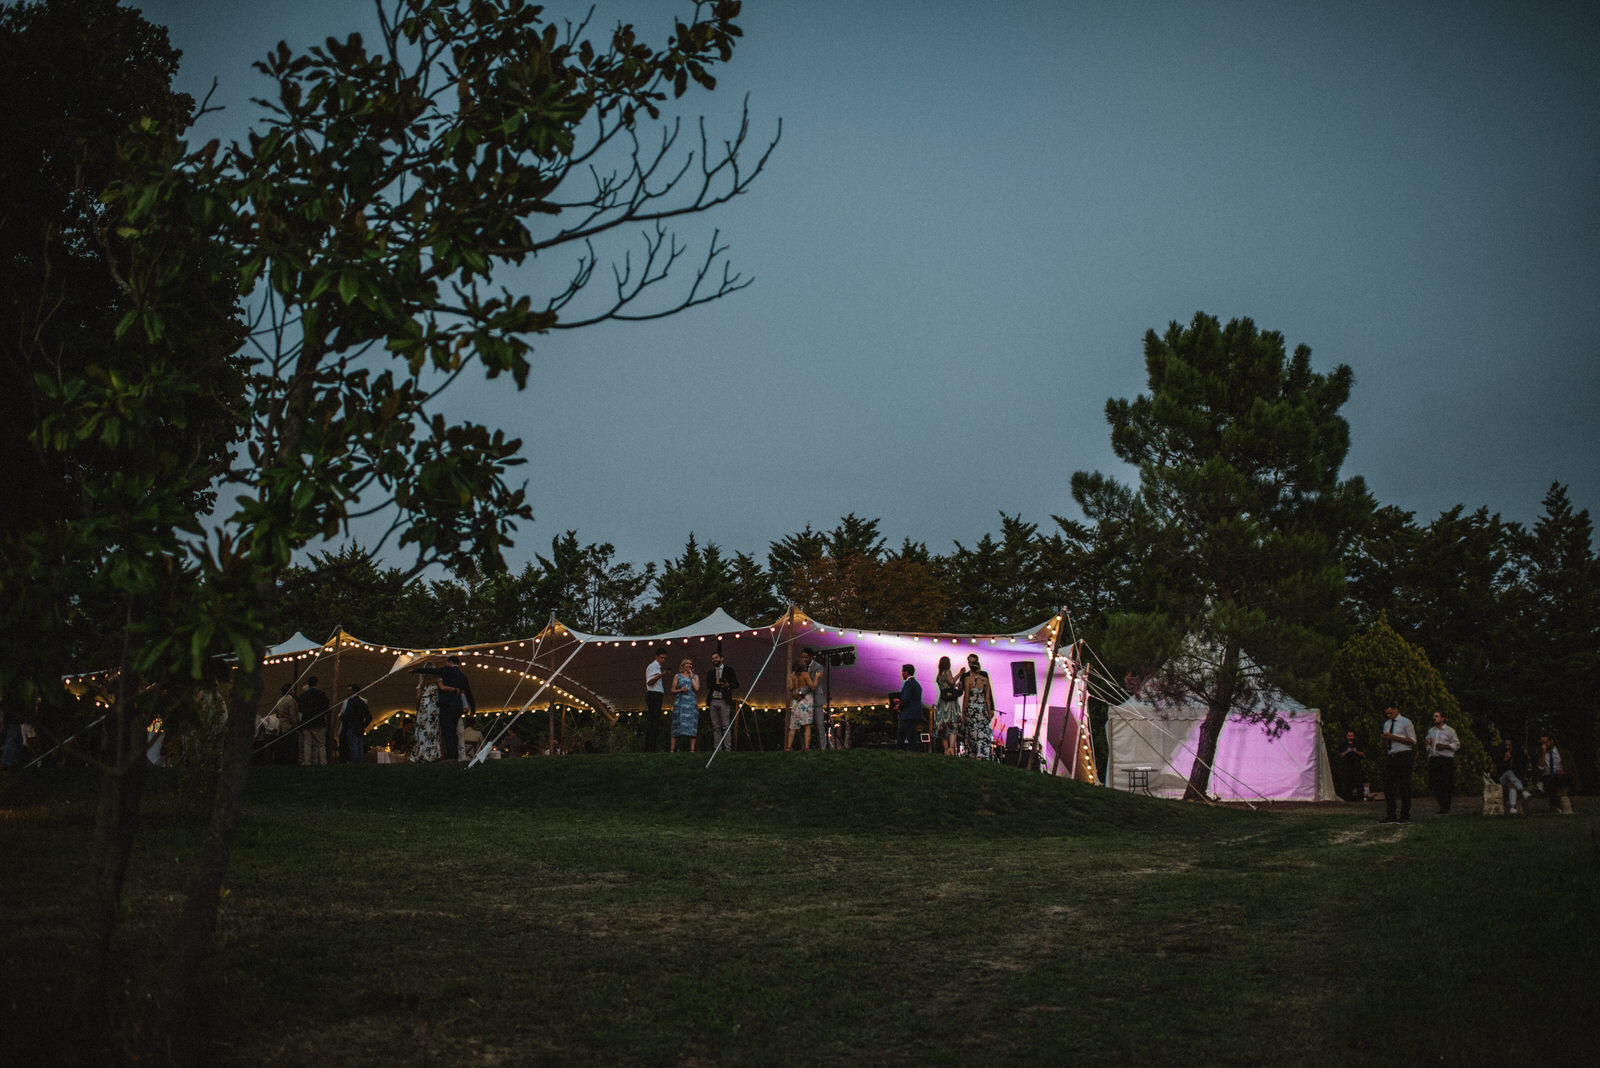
[
  {"x": 1442, "y": 743},
  {"x": 654, "y": 692},
  {"x": 1400, "y": 737},
  {"x": 1557, "y": 773}
]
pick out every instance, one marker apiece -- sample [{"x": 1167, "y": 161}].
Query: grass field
[{"x": 859, "y": 908}]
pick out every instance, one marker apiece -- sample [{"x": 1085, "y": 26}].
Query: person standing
[
  {"x": 911, "y": 710},
  {"x": 655, "y": 674},
  {"x": 425, "y": 740},
  {"x": 287, "y": 709},
  {"x": 1352, "y": 768},
  {"x": 721, "y": 681},
  {"x": 977, "y": 716},
  {"x": 1556, "y": 773},
  {"x": 799, "y": 707},
  {"x": 1401, "y": 739},
  {"x": 817, "y": 676},
  {"x": 313, "y": 707},
  {"x": 355, "y": 716},
  {"x": 947, "y": 712},
  {"x": 1443, "y": 743},
  {"x": 685, "y": 706},
  {"x": 455, "y": 700}
]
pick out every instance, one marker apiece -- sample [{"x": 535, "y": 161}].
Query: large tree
[
  {"x": 1561, "y": 633},
  {"x": 369, "y": 221},
  {"x": 1238, "y": 522},
  {"x": 1377, "y": 668},
  {"x": 112, "y": 437}
]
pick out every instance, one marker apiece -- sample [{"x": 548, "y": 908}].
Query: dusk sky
[{"x": 977, "y": 210}]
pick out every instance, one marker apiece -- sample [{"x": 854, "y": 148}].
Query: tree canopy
[
  {"x": 365, "y": 227},
  {"x": 1239, "y": 520}
]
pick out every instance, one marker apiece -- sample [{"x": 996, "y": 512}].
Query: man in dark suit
[
  {"x": 313, "y": 706},
  {"x": 355, "y": 716},
  {"x": 455, "y": 696},
  {"x": 720, "y": 683},
  {"x": 911, "y": 710}
]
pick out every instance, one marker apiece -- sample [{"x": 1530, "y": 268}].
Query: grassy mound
[{"x": 863, "y": 907}]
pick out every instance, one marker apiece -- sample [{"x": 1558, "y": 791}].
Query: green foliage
[
  {"x": 1018, "y": 581},
  {"x": 689, "y": 588},
  {"x": 587, "y": 589},
  {"x": 1561, "y": 640},
  {"x": 1510, "y": 617},
  {"x": 113, "y": 428},
  {"x": 1378, "y": 668},
  {"x": 366, "y": 223},
  {"x": 1237, "y": 528}
]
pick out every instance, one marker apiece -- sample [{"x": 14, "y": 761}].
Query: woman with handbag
[{"x": 947, "y": 712}]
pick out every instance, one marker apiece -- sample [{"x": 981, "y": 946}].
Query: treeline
[
  {"x": 848, "y": 574},
  {"x": 1508, "y": 614}
]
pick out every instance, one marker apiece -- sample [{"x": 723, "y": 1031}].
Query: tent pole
[
  {"x": 777, "y": 638},
  {"x": 1049, "y": 676},
  {"x": 1088, "y": 732},
  {"x": 483, "y": 750},
  {"x": 333, "y": 694}
]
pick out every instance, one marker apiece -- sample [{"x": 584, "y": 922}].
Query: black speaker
[{"x": 1023, "y": 682}]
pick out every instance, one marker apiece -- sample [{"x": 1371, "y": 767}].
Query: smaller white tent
[{"x": 1158, "y": 741}]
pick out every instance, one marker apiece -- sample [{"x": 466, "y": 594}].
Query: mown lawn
[{"x": 866, "y": 907}]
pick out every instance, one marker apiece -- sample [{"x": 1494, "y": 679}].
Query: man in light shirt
[
  {"x": 1400, "y": 738},
  {"x": 1442, "y": 743},
  {"x": 654, "y": 692},
  {"x": 1556, "y": 773}
]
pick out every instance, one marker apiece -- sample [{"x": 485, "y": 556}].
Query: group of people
[
  {"x": 296, "y": 728},
  {"x": 1555, "y": 768},
  {"x": 303, "y": 727},
  {"x": 719, "y": 685},
  {"x": 963, "y": 715},
  {"x": 444, "y": 695}
]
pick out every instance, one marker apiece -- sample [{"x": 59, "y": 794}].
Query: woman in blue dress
[{"x": 685, "y": 706}]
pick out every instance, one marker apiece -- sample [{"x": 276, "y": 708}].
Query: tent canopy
[{"x": 606, "y": 672}]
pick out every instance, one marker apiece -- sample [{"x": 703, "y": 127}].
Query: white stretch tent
[
  {"x": 1251, "y": 764},
  {"x": 606, "y": 672}
]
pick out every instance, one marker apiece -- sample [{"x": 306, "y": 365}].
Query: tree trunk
[
  {"x": 116, "y": 821},
  {"x": 191, "y": 938},
  {"x": 1205, "y": 755}
]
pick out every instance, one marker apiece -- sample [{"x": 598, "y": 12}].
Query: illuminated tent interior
[
  {"x": 605, "y": 673},
  {"x": 1251, "y": 764}
]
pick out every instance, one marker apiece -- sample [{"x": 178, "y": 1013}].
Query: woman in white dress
[{"x": 426, "y": 747}]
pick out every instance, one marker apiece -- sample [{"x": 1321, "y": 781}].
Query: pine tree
[{"x": 1239, "y": 520}]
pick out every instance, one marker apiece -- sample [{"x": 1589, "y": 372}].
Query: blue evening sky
[{"x": 978, "y": 209}]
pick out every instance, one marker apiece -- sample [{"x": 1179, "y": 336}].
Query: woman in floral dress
[
  {"x": 947, "y": 713},
  {"x": 426, "y": 747},
  {"x": 977, "y": 722},
  {"x": 685, "y": 706}
]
